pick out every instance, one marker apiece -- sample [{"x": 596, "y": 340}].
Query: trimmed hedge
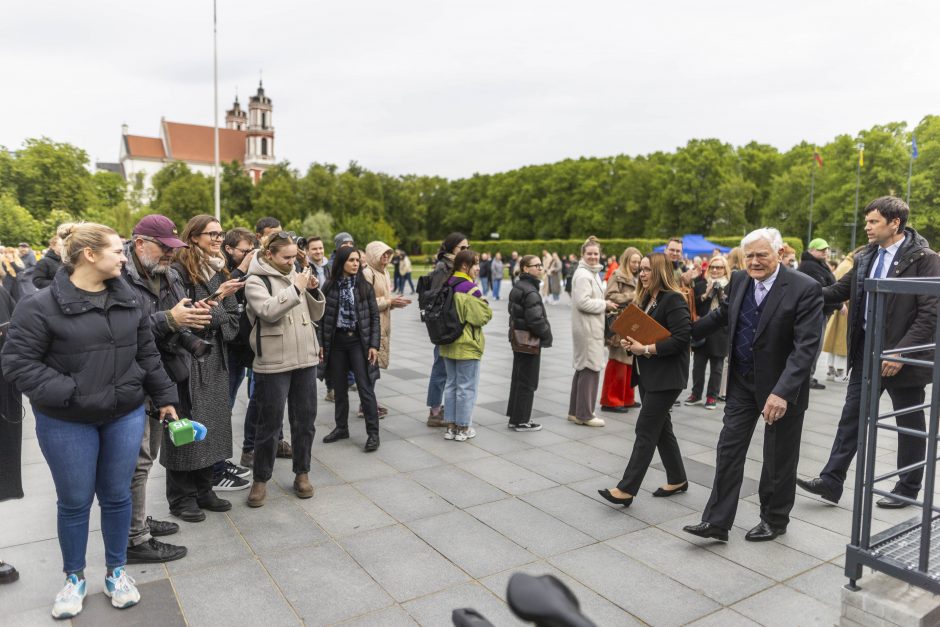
[{"x": 568, "y": 246}]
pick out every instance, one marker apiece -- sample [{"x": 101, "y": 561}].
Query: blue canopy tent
[{"x": 693, "y": 245}]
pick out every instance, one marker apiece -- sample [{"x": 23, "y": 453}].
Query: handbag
[{"x": 524, "y": 341}]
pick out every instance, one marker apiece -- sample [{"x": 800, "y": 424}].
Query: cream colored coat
[
  {"x": 587, "y": 318},
  {"x": 288, "y": 333},
  {"x": 382, "y": 285},
  {"x": 620, "y": 289}
]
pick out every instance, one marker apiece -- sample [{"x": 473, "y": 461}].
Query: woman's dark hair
[
  {"x": 449, "y": 244},
  {"x": 890, "y": 208},
  {"x": 525, "y": 262},
  {"x": 236, "y": 236},
  {"x": 266, "y": 223},
  {"x": 342, "y": 255},
  {"x": 465, "y": 260}
]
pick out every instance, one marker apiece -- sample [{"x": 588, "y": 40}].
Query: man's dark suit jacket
[{"x": 786, "y": 339}]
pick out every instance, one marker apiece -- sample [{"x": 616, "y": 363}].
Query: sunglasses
[{"x": 463, "y": 247}]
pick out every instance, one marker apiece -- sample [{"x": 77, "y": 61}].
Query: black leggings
[
  {"x": 347, "y": 355},
  {"x": 525, "y": 381}
]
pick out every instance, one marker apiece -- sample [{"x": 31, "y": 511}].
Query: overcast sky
[{"x": 456, "y": 87}]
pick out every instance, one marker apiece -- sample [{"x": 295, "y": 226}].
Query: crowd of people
[{"x": 115, "y": 341}]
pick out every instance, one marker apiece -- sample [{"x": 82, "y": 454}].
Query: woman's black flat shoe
[
  {"x": 661, "y": 492},
  {"x": 613, "y": 499}
]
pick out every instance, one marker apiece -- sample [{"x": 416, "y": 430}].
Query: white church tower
[{"x": 259, "y": 153}]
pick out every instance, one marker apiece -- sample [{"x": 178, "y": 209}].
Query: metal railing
[{"x": 906, "y": 551}]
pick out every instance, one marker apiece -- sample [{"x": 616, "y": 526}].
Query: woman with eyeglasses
[
  {"x": 664, "y": 371},
  {"x": 617, "y": 391},
  {"x": 526, "y": 313},
  {"x": 711, "y": 351},
  {"x": 351, "y": 340},
  {"x": 205, "y": 397},
  {"x": 283, "y": 305},
  {"x": 587, "y": 330}
]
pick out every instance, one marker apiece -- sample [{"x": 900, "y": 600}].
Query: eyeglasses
[
  {"x": 535, "y": 265},
  {"x": 213, "y": 235},
  {"x": 288, "y": 235},
  {"x": 713, "y": 266},
  {"x": 152, "y": 240},
  {"x": 244, "y": 251}
]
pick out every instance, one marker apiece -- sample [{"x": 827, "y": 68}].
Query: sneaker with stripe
[
  {"x": 238, "y": 471},
  {"x": 229, "y": 482}
]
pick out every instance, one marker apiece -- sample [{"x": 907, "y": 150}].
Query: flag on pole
[
  {"x": 861, "y": 157},
  {"x": 913, "y": 147},
  {"x": 818, "y": 158}
]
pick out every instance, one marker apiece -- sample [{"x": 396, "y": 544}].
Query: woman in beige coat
[
  {"x": 587, "y": 330},
  {"x": 283, "y": 306},
  {"x": 378, "y": 256},
  {"x": 617, "y": 391},
  {"x": 835, "y": 342}
]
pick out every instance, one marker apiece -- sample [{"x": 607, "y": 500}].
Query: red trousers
[{"x": 617, "y": 391}]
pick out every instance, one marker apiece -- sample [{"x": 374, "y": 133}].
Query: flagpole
[
  {"x": 910, "y": 170},
  {"x": 215, "y": 112},
  {"x": 858, "y": 178},
  {"x": 812, "y": 189}
]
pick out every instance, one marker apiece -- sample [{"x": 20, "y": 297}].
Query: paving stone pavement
[{"x": 424, "y": 525}]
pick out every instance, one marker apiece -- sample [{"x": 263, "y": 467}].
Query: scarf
[
  {"x": 347, "y": 303},
  {"x": 209, "y": 266}
]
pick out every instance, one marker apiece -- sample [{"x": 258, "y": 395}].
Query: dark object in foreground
[{"x": 544, "y": 601}]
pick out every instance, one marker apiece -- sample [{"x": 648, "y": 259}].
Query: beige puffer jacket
[
  {"x": 382, "y": 284},
  {"x": 288, "y": 333}
]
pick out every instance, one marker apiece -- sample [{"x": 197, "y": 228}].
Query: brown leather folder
[{"x": 635, "y": 323}]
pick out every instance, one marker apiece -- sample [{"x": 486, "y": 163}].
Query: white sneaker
[
  {"x": 68, "y": 602},
  {"x": 463, "y": 436},
  {"x": 120, "y": 587},
  {"x": 450, "y": 432},
  {"x": 527, "y": 427},
  {"x": 593, "y": 422}
]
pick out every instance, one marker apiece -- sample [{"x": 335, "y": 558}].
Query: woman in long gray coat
[
  {"x": 587, "y": 330},
  {"x": 189, "y": 468}
]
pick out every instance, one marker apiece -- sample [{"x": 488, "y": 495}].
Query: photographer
[
  {"x": 162, "y": 297},
  {"x": 190, "y": 469}
]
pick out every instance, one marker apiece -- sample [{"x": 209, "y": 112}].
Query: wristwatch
[{"x": 646, "y": 351}]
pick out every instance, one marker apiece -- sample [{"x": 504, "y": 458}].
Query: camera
[{"x": 194, "y": 345}]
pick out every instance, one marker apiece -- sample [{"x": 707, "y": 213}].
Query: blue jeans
[
  {"x": 485, "y": 285},
  {"x": 496, "y": 284},
  {"x": 437, "y": 380},
  {"x": 88, "y": 460},
  {"x": 460, "y": 391}
]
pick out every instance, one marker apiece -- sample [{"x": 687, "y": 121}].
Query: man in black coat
[
  {"x": 48, "y": 265},
  {"x": 162, "y": 297},
  {"x": 774, "y": 320},
  {"x": 894, "y": 251},
  {"x": 813, "y": 264}
]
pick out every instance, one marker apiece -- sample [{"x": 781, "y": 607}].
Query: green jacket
[{"x": 474, "y": 313}]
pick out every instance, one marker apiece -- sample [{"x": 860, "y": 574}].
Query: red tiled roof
[
  {"x": 145, "y": 147},
  {"x": 191, "y": 142}
]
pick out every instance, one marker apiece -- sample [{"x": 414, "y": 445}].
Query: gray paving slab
[
  {"x": 633, "y": 586},
  {"x": 403, "y": 498},
  {"x": 824, "y": 583},
  {"x": 551, "y": 466},
  {"x": 393, "y": 616},
  {"x": 210, "y": 598},
  {"x": 436, "y": 609},
  {"x": 583, "y": 513},
  {"x": 211, "y": 542},
  {"x": 724, "y": 618},
  {"x": 403, "y": 564},
  {"x": 471, "y": 545},
  {"x": 779, "y": 606},
  {"x": 506, "y": 476},
  {"x": 324, "y": 585},
  {"x": 458, "y": 486},
  {"x": 342, "y": 510},
  {"x": 530, "y": 527},
  {"x": 282, "y": 525}
]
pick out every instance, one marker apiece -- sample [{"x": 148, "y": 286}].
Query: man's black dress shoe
[
  {"x": 372, "y": 443},
  {"x": 818, "y": 487},
  {"x": 190, "y": 514},
  {"x": 816, "y": 385},
  {"x": 890, "y": 503},
  {"x": 336, "y": 434},
  {"x": 213, "y": 503},
  {"x": 707, "y": 530},
  {"x": 764, "y": 532},
  {"x": 664, "y": 492},
  {"x": 613, "y": 499}
]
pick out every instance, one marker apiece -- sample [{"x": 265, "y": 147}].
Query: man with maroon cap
[{"x": 162, "y": 295}]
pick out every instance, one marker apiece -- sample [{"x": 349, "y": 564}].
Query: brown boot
[
  {"x": 257, "y": 493},
  {"x": 436, "y": 420},
  {"x": 302, "y": 486}
]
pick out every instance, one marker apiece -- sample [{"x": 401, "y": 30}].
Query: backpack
[
  {"x": 440, "y": 316},
  {"x": 245, "y": 328},
  {"x": 428, "y": 283}
]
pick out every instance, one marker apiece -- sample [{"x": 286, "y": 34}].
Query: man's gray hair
[{"x": 772, "y": 236}]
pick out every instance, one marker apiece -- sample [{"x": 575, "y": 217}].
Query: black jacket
[
  {"x": 176, "y": 360},
  {"x": 526, "y": 311},
  {"x": 786, "y": 340},
  {"x": 716, "y": 344},
  {"x": 668, "y": 369},
  {"x": 819, "y": 270},
  {"x": 367, "y": 317},
  {"x": 46, "y": 269},
  {"x": 76, "y": 362},
  {"x": 910, "y": 320}
]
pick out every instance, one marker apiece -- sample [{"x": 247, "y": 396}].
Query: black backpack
[
  {"x": 245, "y": 328},
  {"x": 440, "y": 316},
  {"x": 426, "y": 285}
]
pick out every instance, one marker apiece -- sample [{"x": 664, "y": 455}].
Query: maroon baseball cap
[{"x": 161, "y": 228}]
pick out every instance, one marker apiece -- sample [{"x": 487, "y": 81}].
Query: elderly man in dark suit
[
  {"x": 774, "y": 319},
  {"x": 894, "y": 251}
]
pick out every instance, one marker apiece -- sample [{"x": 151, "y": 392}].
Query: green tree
[
  {"x": 278, "y": 195},
  {"x": 236, "y": 192},
  {"x": 17, "y": 224},
  {"x": 50, "y": 175},
  {"x": 320, "y": 224},
  {"x": 180, "y": 194}
]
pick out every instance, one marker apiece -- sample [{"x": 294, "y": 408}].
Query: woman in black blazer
[{"x": 664, "y": 371}]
